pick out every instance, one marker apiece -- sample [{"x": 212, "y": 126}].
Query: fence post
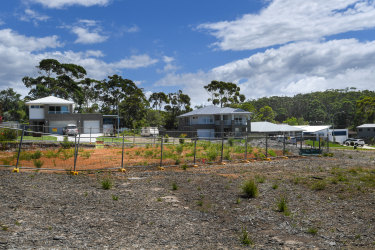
[
  {"x": 90, "y": 134},
  {"x": 122, "y": 154},
  {"x": 161, "y": 151},
  {"x": 222, "y": 147},
  {"x": 195, "y": 149},
  {"x": 266, "y": 145},
  {"x": 327, "y": 144},
  {"x": 319, "y": 143},
  {"x": 19, "y": 147},
  {"x": 246, "y": 141},
  {"x": 76, "y": 150},
  {"x": 133, "y": 137},
  {"x": 283, "y": 143}
]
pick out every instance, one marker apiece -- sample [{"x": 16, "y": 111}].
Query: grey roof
[
  {"x": 213, "y": 110},
  {"x": 367, "y": 126},
  {"x": 268, "y": 127}
]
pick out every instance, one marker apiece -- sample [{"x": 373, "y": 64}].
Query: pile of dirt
[{"x": 330, "y": 203}]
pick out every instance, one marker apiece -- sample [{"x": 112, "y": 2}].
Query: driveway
[{"x": 83, "y": 137}]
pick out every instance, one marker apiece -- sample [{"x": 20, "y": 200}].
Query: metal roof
[
  {"x": 268, "y": 127},
  {"x": 313, "y": 129},
  {"x": 214, "y": 110},
  {"x": 368, "y": 125},
  {"x": 49, "y": 100}
]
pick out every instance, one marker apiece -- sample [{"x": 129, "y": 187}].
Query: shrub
[
  {"x": 86, "y": 154},
  {"x": 272, "y": 153},
  {"x": 212, "y": 154},
  {"x": 319, "y": 185},
  {"x": 312, "y": 230},
  {"x": 166, "y": 138},
  {"x": 107, "y": 183},
  {"x": 36, "y": 155},
  {"x": 250, "y": 189},
  {"x": 180, "y": 149},
  {"x": 244, "y": 238},
  {"x": 7, "y": 134},
  {"x": 66, "y": 143},
  {"x": 231, "y": 142},
  {"x": 149, "y": 153},
  {"x": 282, "y": 206},
  {"x": 182, "y": 140},
  {"x": 174, "y": 186},
  {"x": 275, "y": 186},
  {"x": 227, "y": 155},
  {"x": 38, "y": 163}
]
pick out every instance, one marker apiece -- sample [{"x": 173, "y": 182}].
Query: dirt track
[{"x": 331, "y": 201}]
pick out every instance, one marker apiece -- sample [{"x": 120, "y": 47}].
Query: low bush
[
  {"x": 182, "y": 140},
  {"x": 107, "y": 183},
  {"x": 250, "y": 189},
  {"x": 282, "y": 205},
  {"x": 38, "y": 163},
  {"x": 7, "y": 134}
]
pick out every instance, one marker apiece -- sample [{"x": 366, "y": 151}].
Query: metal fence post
[
  {"x": 284, "y": 144},
  {"x": 222, "y": 147},
  {"x": 195, "y": 149},
  {"x": 133, "y": 137},
  {"x": 19, "y": 147},
  {"x": 327, "y": 144},
  {"x": 90, "y": 134},
  {"x": 122, "y": 154},
  {"x": 161, "y": 151},
  {"x": 266, "y": 145},
  {"x": 76, "y": 149},
  {"x": 246, "y": 141}
]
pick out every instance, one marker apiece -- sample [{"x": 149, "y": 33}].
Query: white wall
[{"x": 338, "y": 138}]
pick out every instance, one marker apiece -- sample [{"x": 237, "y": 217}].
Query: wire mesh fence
[{"x": 90, "y": 152}]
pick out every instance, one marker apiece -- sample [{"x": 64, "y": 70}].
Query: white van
[{"x": 149, "y": 131}]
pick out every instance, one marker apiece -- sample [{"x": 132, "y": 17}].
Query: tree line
[{"x": 345, "y": 108}]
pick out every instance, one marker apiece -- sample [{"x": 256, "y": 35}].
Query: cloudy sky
[{"x": 267, "y": 47}]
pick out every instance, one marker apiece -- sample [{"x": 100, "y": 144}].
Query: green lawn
[
  {"x": 110, "y": 139},
  {"x": 42, "y": 138},
  {"x": 331, "y": 144}
]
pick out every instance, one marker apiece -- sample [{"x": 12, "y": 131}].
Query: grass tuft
[{"x": 250, "y": 189}]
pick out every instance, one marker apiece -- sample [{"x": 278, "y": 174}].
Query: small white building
[
  {"x": 314, "y": 131},
  {"x": 338, "y": 135}
]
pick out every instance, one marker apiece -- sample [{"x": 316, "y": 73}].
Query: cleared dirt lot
[{"x": 331, "y": 204}]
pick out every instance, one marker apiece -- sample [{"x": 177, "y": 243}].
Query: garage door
[
  {"x": 56, "y": 127},
  {"x": 205, "y": 133},
  {"x": 94, "y": 125}
]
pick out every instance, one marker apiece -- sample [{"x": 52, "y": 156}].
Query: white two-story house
[{"x": 51, "y": 114}]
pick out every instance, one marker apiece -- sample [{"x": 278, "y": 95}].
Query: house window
[
  {"x": 195, "y": 117},
  {"x": 360, "y": 130},
  {"x": 58, "y": 109},
  {"x": 36, "y": 107},
  {"x": 368, "y": 129}
]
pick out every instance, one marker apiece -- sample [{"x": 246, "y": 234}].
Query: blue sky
[{"x": 267, "y": 47}]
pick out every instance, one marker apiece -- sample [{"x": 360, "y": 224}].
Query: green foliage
[
  {"x": 66, "y": 143},
  {"x": 282, "y": 206},
  {"x": 260, "y": 178},
  {"x": 224, "y": 93},
  {"x": 107, "y": 183},
  {"x": 231, "y": 142},
  {"x": 212, "y": 154},
  {"x": 318, "y": 185},
  {"x": 272, "y": 153},
  {"x": 180, "y": 149},
  {"x": 182, "y": 140},
  {"x": 266, "y": 114},
  {"x": 12, "y": 108},
  {"x": 7, "y": 134},
  {"x": 166, "y": 138},
  {"x": 85, "y": 154},
  {"x": 312, "y": 230},
  {"x": 250, "y": 189},
  {"x": 174, "y": 186},
  {"x": 244, "y": 238},
  {"x": 38, "y": 163},
  {"x": 114, "y": 197}
]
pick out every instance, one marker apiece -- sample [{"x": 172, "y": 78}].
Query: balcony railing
[{"x": 58, "y": 112}]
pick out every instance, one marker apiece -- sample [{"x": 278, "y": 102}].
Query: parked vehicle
[
  {"x": 149, "y": 131},
  {"x": 70, "y": 129},
  {"x": 354, "y": 142}
]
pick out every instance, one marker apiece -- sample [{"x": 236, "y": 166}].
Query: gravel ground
[{"x": 330, "y": 204}]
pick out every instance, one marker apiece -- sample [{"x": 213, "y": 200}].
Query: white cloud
[
  {"x": 20, "y": 54},
  {"x": 35, "y": 17},
  {"x": 284, "y": 21},
  {"x": 65, "y": 3},
  {"x": 87, "y": 37},
  {"x": 294, "y": 68},
  {"x": 9, "y": 38},
  {"x": 135, "y": 61}
]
